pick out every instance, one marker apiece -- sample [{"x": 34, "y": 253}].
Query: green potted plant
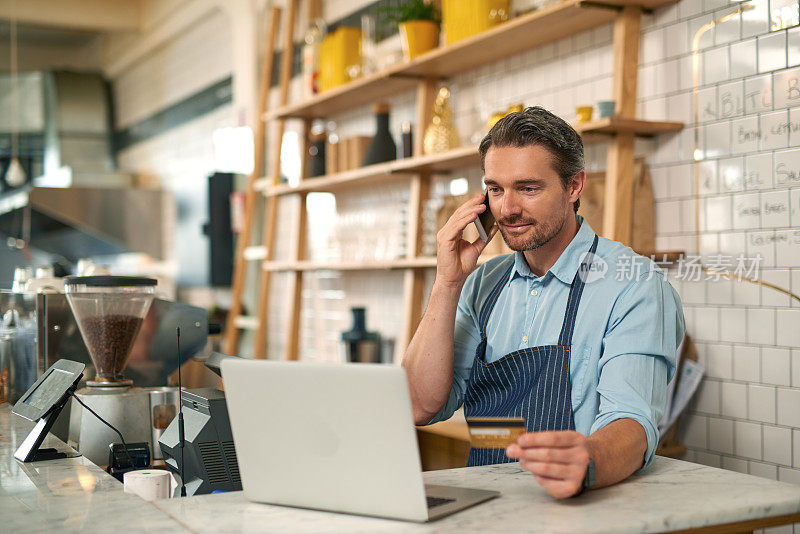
[{"x": 419, "y": 25}]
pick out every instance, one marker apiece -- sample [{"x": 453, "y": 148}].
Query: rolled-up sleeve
[
  {"x": 639, "y": 356},
  {"x": 466, "y": 339}
]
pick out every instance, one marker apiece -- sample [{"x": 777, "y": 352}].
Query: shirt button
[
  {"x": 524, "y": 339},
  {"x": 534, "y": 292}
]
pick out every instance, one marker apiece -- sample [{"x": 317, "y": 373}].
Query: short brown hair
[{"x": 537, "y": 126}]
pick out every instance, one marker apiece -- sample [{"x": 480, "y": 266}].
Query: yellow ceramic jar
[
  {"x": 418, "y": 37},
  {"x": 584, "y": 113}
]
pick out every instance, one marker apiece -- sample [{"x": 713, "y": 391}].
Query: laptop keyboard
[{"x": 433, "y": 502}]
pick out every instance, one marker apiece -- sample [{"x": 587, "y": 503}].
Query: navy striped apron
[{"x": 531, "y": 383}]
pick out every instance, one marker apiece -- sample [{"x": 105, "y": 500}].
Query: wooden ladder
[{"x": 233, "y": 324}]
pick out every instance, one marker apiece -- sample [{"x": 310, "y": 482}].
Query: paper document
[{"x": 691, "y": 375}]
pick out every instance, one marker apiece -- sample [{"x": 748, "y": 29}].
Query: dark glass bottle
[
  {"x": 316, "y": 155},
  {"x": 359, "y": 345},
  {"x": 382, "y": 147},
  {"x": 408, "y": 140}
]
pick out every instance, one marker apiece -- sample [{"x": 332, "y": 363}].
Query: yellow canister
[
  {"x": 418, "y": 37},
  {"x": 465, "y": 18},
  {"x": 584, "y": 113},
  {"x": 338, "y": 51},
  {"x": 513, "y": 108}
]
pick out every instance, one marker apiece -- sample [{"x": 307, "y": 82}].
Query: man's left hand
[{"x": 557, "y": 460}]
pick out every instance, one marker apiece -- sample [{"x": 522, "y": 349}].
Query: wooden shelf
[
  {"x": 359, "y": 92},
  {"x": 421, "y": 262},
  {"x": 459, "y": 158},
  {"x": 599, "y": 130},
  {"x": 647, "y": 5},
  {"x": 672, "y": 451},
  {"x": 522, "y": 33},
  {"x": 519, "y": 34},
  {"x": 334, "y": 182},
  {"x": 402, "y": 263}
]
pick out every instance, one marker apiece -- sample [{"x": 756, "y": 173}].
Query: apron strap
[
  {"x": 575, "y": 292},
  {"x": 490, "y": 301}
]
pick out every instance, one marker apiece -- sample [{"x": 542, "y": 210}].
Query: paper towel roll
[{"x": 149, "y": 484}]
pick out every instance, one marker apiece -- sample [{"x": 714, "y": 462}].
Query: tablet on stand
[{"x": 42, "y": 403}]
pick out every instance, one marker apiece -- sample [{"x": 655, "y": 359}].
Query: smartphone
[{"x": 485, "y": 220}]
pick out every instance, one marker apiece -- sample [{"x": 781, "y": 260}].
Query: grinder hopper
[{"x": 109, "y": 311}]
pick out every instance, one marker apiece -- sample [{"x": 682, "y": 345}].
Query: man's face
[{"x": 526, "y": 195}]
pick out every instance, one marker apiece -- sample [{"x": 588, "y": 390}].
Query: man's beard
[{"x": 543, "y": 232}]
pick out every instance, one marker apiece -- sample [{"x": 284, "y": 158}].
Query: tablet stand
[{"x": 29, "y": 451}]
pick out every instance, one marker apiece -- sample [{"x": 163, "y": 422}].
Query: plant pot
[{"x": 418, "y": 36}]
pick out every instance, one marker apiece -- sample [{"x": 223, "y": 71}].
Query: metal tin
[{"x": 164, "y": 404}]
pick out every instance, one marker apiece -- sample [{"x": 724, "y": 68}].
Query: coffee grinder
[{"x": 109, "y": 311}]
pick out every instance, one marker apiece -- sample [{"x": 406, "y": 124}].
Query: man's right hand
[
  {"x": 429, "y": 358},
  {"x": 456, "y": 257}
]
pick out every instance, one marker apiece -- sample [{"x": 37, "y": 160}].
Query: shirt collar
[{"x": 567, "y": 264}]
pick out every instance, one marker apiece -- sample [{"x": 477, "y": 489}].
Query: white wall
[
  {"x": 746, "y": 416},
  {"x": 181, "y": 158},
  {"x": 187, "y": 64}
]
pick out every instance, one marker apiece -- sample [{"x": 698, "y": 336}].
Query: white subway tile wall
[
  {"x": 761, "y": 403},
  {"x": 184, "y": 65},
  {"x": 747, "y": 176}
]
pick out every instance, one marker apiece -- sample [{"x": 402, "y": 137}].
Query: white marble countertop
[
  {"x": 672, "y": 495},
  {"x": 67, "y": 495},
  {"x": 72, "y": 495}
]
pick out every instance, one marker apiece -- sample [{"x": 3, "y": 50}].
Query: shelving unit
[
  {"x": 420, "y": 262},
  {"x": 332, "y": 182},
  {"x": 459, "y": 158},
  {"x": 423, "y": 76},
  {"x": 617, "y": 125},
  {"x": 517, "y": 35}
]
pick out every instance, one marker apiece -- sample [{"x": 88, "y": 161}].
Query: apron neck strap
[
  {"x": 488, "y": 305},
  {"x": 575, "y": 292}
]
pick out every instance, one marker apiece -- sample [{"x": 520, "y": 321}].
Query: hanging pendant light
[{"x": 15, "y": 175}]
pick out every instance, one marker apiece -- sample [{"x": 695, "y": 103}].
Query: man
[{"x": 556, "y": 333}]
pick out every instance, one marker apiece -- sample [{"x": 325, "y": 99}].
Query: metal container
[
  {"x": 18, "y": 365},
  {"x": 358, "y": 345},
  {"x": 163, "y": 409},
  {"x": 364, "y": 351},
  {"x": 125, "y": 408}
]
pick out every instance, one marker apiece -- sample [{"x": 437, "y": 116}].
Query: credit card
[{"x": 494, "y": 432}]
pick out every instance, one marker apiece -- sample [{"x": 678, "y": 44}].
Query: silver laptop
[{"x": 337, "y": 437}]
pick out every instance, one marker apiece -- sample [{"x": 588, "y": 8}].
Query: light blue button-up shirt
[{"x": 624, "y": 347}]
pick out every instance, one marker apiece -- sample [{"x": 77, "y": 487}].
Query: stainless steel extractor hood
[
  {"x": 80, "y": 222},
  {"x": 82, "y": 206}
]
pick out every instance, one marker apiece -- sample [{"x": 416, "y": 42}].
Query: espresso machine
[{"x": 56, "y": 328}]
